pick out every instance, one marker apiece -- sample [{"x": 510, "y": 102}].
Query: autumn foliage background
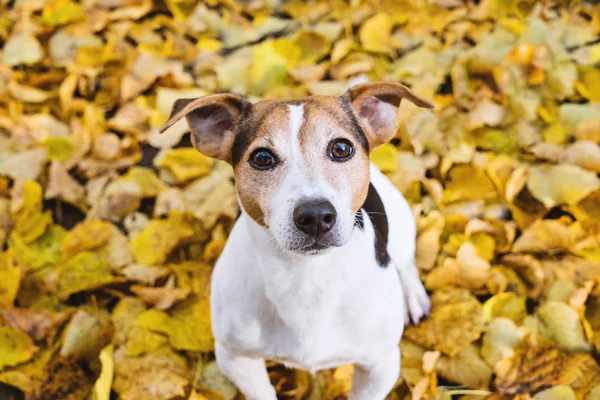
[{"x": 108, "y": 231}]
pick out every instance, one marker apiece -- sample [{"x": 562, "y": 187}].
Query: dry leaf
[{"x": 454, "y": 323}]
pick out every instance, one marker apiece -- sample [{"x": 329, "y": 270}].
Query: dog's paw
[{"x": 417, "y": 304}]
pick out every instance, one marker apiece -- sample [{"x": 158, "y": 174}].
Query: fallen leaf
[
  {"x": 561, "y": 324},
  {"x": 18, "y": 347},
  {"x": 561, "y": 184},
  {"x": 500, "y": 340},
  {"x": 37, "y": 324},
  {"x": 86, "y": 335},
  {"x": 544, "y": 236},
  {"x": 161, "y": 375},
  {"x": 84, "y": 271},
  {"x": 534, "y": 368},
  {"x": 187, "y": 325},
  {"x": 466, "y": 368},
  {"x": 212, "y": 378},
  {"x": 454, "y": 323},
  {"x": 22, "y": 48},
  {"x": 158, "y": 238},
  {"x": 103, "y": 384},
  {"x": 162, "y": 298}
]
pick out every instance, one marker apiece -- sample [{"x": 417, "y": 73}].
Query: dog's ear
[
  {"x": 212, "y": 120},
  {"x": 376, "y": 105}
]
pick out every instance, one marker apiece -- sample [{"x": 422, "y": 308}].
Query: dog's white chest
[{"x": 312, "y": 314}]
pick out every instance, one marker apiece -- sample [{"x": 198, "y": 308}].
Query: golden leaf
[
  {"x": 385, "y": 158},
  {"x": 213, "y": 379},
  {"x": 559, "y": 322},
  {"x": 544, "y": 236},
  {"x": 454, "y": 323},
  {"x": 534, "y": 368},
  {"x": 500, "y": 340},
  {"x": 88, "y": 235},
  {"x": 466, "y": 368},
  {"x": 104, "y": 382},
  {"x": 17, "y": 347},
  {"x": 22, "y": 48},
  {"x": 375, "y": 33},
  {"x": 84, "y": 271},
  {"x": 160, "y": 375},
  {"x": 159, "y": 238},
  {"x": 561, "y": 184},
  {"x": 184, "y": 164},
  {"x": 86, "y": 335},
  {"x": 187, "y": 325},
  {"x": 506, "y": 305}
]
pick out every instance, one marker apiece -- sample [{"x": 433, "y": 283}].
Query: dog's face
[{"x": 301, "y": 167}]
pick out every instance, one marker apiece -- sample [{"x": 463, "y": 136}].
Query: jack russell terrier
[{"x": 319, "y": 269}]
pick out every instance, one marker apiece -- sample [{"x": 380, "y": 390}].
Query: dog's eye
[
  {"x": 341, "y": 150},
  {"x": 262, "y": 159}
]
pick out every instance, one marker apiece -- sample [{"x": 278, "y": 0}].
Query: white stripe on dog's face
[{"x": 299, "y": 134}]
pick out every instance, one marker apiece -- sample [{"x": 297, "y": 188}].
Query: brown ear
[
  {"x": 377, "y": 105},
  {"x": 212, "y": 120}
]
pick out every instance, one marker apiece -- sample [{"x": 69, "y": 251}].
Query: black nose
[{"x": 315, "y": 218}]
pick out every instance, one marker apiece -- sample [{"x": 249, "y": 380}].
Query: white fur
[
  {"x": 300, "y": 183},
  {"x": 316, "y": 311}
]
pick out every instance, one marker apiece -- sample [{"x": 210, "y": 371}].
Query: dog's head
[{"x": 301, "y": 167}]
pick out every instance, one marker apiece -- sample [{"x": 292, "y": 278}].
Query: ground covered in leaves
[{"x": 108, "y": 231}]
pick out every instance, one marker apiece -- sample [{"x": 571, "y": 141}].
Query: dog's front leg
[
  {"x": 374, "y": 381},
  {"x": 248, "y": 374},
  {"x": 417, "y": 301}
]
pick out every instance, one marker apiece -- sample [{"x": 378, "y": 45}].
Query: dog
[{"x": 319, "y": 269}]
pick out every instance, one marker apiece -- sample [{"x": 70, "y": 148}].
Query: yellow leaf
[
  {"x": 312, "y": 45},
  {"x": 187, "y": 325},
  {"x": 84, "y": 271},
  {"x": 16, "y": 347},
  {"x": 86, "y": 335},
  {"x": 535, "y": 367},
  {"x": 104, "y": 381},
  {"x": 468, "y": 182},
  {"x": 147, "y": 180},
  {"x": 60, "y": 12},
  {"x": 159, "y": 238},
  {"x": 268, "y": 68},
  {"x": 88, "y": 235},
  {"x": 561, "y": 184},
  {"x": 544, "y": 236},
  {"x": 10, "y": 278},
  {"x": 474, "y": 270},
  {"x": 500, "y": 340},
  {"x": 40, "y": 253},
  {"x": 505, "y": 305},
  {"x": 466, "y": 368},
  {"x": 184, "y": 163},
  {"x": 561, "y": 392},
  {"x": 30, "y": 221},
  {"x": 454, "y": 323},
  {"x": 375, "y": 33},
  {"x": 161, "y": 375},
  {"x": 59, "y": 148},
  {"x": 22, "y": 48},
  {"x": 213, "y": 379},
  {"x": 341, "y": 382},
  {"x": 561, "y": 323},
  {"x": 385, "y": 157}
]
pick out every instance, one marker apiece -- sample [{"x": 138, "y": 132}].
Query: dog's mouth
[{"x": 316, "y": 246}]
